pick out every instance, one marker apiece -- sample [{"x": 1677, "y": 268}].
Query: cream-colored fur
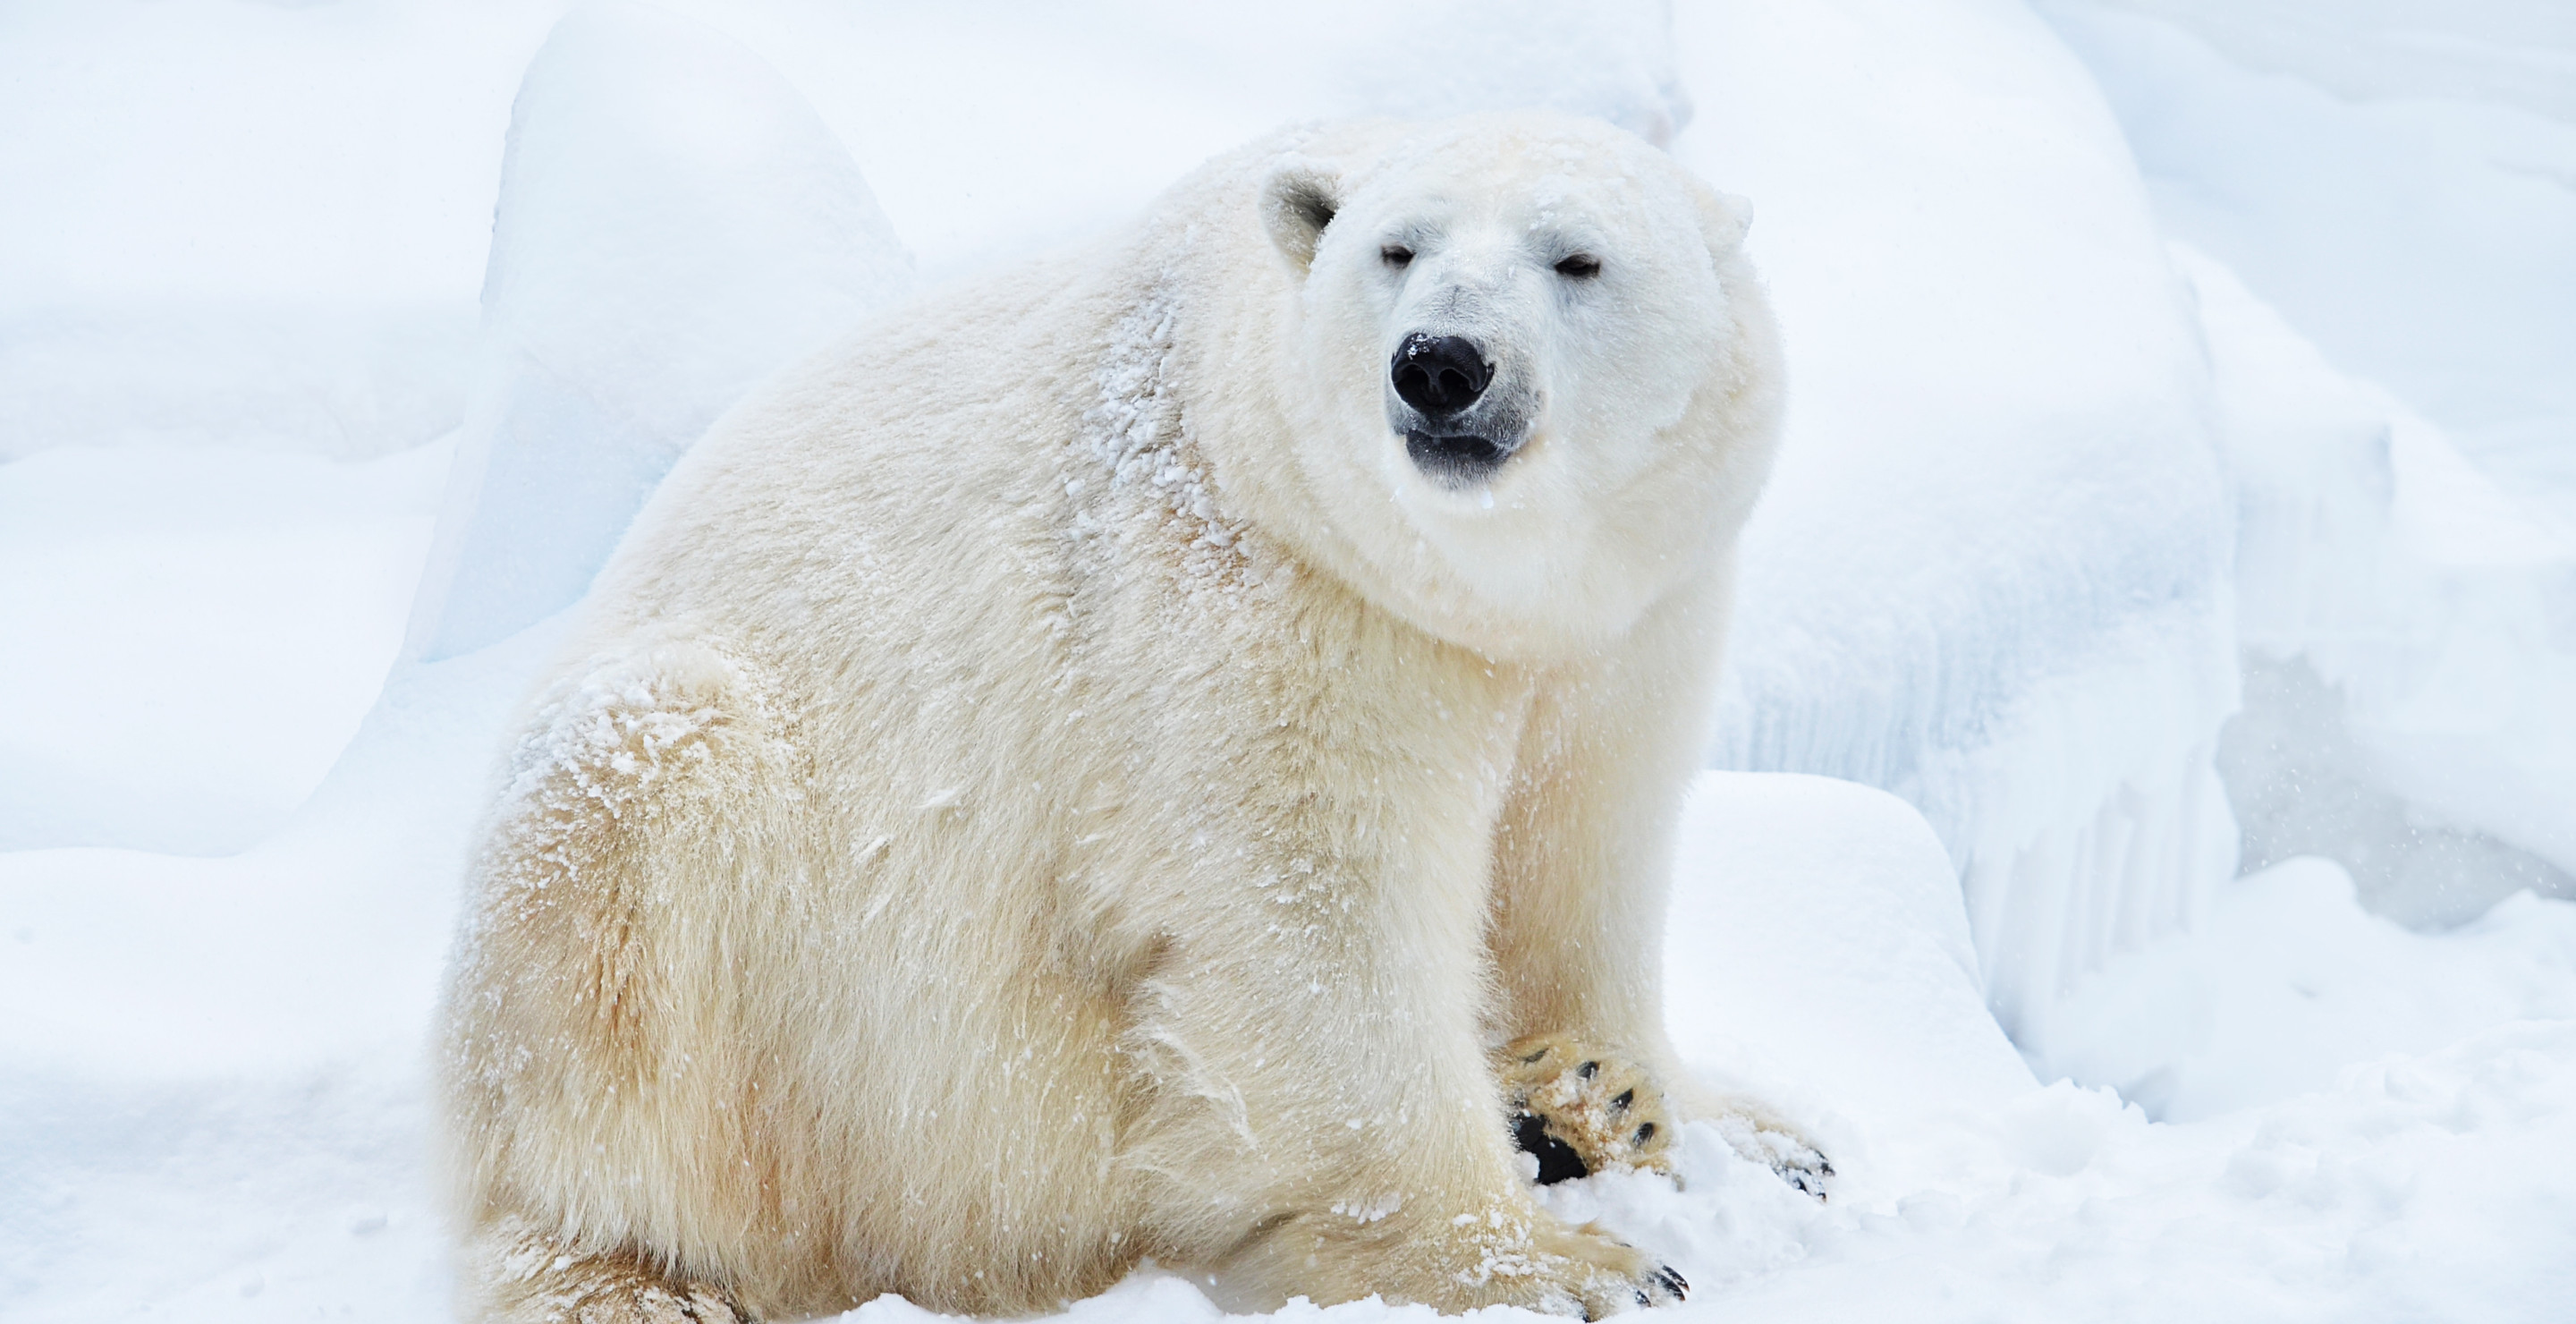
[{"x": 1050, "y": 783}]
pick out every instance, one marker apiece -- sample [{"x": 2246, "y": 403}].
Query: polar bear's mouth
[{"x": 1464, "y": 458}]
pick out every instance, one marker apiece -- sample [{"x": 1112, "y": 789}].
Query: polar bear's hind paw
[
  {"x": 532, "y": 1279},
  {"x": 1760, "y": 1138}
]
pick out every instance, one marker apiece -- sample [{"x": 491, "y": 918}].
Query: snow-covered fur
[{"x": 1060, "y": 780}]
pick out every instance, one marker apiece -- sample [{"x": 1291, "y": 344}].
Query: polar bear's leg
[
  {"x": 1315, "y": 1115},
  {"x": 594, "y": 1048},
  {"x": 1338, "y": 1136},
  {"x": 517, "y": 1275},
  {"x": 1583, "y": 860}
]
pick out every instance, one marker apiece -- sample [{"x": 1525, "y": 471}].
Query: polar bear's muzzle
[
  {"x": 1439, "y": 375},
  {"x": 1456, "y": 430}
]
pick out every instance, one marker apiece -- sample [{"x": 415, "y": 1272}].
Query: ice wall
[
  {"x": 2413, "y": 679},
  {"x": 2380, "y": 200},
  {"x": 1991, "y": 571},
  {"x": 674, "y": 222}
]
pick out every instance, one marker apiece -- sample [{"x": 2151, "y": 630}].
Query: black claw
[
  {"x": 1535, "y": 1056},
  {"x": 1644, "y": 1134},
  {"x": 1671, "y": 1280},
  {"x": 1642, "y": 1299},
  {"x": 1587, "y": 1070},
  {"x": 1557, "y": 1160},
  {"x": 1625, "y": 1098}
]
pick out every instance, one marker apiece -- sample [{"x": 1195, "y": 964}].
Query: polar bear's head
[{"x": 1529, "y": 377}]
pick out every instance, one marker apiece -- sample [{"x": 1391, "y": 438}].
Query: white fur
[{"x": 1049, "y": 783}]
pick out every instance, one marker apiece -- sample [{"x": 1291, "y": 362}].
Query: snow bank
[
  {"x": 1816, "y": 950},
  {"x": 674, "y": 223},
  {"x": 246, "y": 226},
  {"x": 349, "y": 381},
  {"x": 2291, "y": 980},
  {"x": 1990, "y": 357},
  {"x": 2413, "y": 705},
  {"x": 217, "y": 1110},
  {"x": 188, "y": 636},
  {"x": 2383, "y": 190}
]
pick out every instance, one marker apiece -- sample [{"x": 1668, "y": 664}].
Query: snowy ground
[{"x": 2006, "y": 576}]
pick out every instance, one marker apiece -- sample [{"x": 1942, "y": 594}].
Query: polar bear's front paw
[
  {"x": 1581, "y": 1109},
  {"x": 1759, "y": 1136}
]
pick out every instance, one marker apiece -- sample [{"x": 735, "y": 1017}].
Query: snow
[
  {"x": 218, "y": 1111},
  {"x": 2397, "y": 178},
  {"x": 2239, "y": 1014},
  {"x": 674, "y": 224},
  {"x": 1991, "y": 355},
  {"x": 2060, "y": 492},
  {"x": 2412, "y": 711},
  {"x": 247, "y": 226},
  {"x": 1832, "y": 907},
  {"x": 252, "y": 1154},
  {"x": 2374, "y": 205},
  {"x": 193, "y": 635}
]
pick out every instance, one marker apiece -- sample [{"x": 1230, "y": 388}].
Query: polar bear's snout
[
  {"x": 1439, "y": 375},
  {"x": 1455, "y": 429}
]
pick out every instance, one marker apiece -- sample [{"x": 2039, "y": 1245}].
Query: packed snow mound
[
  {"x": 1816, "y": 940},
  {"x": 674, "y": 224},
  {"x": 1989, "y": 355},
  {"x": 2518, "y": 53}
]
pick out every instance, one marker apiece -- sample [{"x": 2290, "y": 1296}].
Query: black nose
[{"x": 1439, "y": 375}]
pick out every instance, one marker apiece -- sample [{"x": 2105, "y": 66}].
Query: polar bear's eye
[
  {"x": 1396, "y": 255},
  {"x": 1581, "y": 266}
]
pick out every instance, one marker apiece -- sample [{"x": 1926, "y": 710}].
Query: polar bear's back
[
  {"x": 811, "y": 725},
  {"x": 891, "y": 451}
]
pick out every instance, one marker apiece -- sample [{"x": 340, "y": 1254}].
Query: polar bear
[{"x": 1171, "y": 751}]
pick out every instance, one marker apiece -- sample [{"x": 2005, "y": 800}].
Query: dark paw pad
[{"x": 1557, "y": 1160}]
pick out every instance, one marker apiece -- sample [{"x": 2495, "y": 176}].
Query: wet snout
[
  {"x": 1459, "y": 406},
  {"x": 1439, "y": 375}
]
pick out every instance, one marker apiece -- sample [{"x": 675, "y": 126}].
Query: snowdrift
[
  {"x": 1991, "y": 356},
  {"x": 674, "y": 224}
]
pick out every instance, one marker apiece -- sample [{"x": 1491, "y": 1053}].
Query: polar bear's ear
[
  {"x": 1297, "y": 202},
  {"x": 1723, "y": 219}
]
